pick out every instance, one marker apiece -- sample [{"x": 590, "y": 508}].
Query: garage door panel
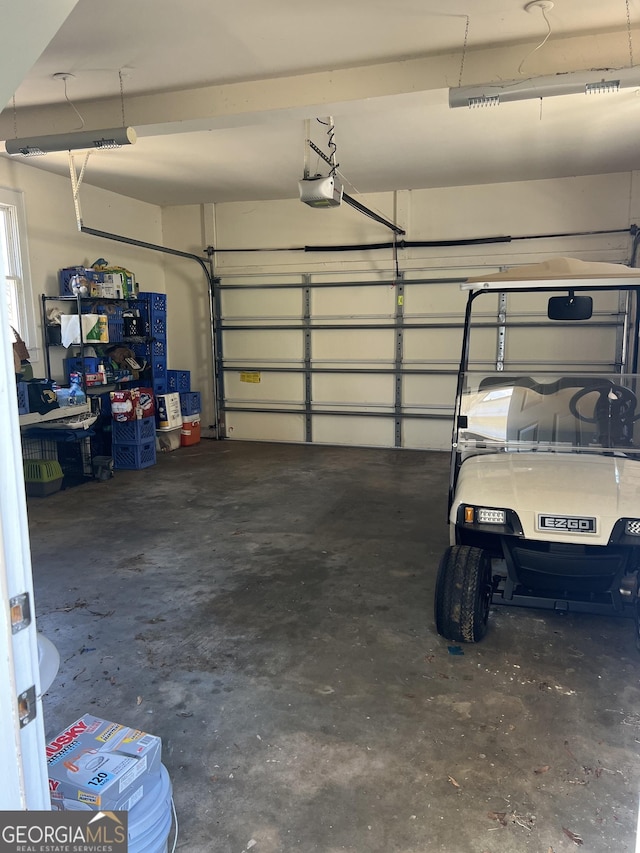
[
  {"x": 345, "y": 302},
  {"x": 362, "y": 389},
  {"x": 432, "y": 345},
  {"x": 437, "y": 300},
  {"x": 265, "y": 426},
  {"x": 241, "y": 303},
  {"x": 352, "y": 430},
  {"x": 427, "y": 435},
  {"x": 429, "y": 390},
  {"x": 272, "y": 386},
  {"x": 263, "y": 345},
  {"x": 359, "y": 345},
  {"x": 573, "y": 345}
]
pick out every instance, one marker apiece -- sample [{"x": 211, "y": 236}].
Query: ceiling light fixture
[
  {"x": 597, "y": 81},
  {"x": 114, "y": 137}
]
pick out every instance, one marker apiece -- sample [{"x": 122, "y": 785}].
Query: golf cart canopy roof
[{"x": 557, "y": 272}]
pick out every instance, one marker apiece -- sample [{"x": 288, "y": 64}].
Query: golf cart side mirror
[{"x": 570, "y": 307}]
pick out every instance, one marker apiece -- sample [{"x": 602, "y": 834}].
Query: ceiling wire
[
  {"x": 15, "y": 118},
  {"x": 124, "y": 124},
  {"x": 331, "y": 144},
  {"x": 629, "y": 34},
  {"x": 66, "y": 97},
  {"x": 464, "y": 49},
  {"x": 542, "y": 43}
]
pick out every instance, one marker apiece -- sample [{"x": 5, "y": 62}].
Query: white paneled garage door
[{"x": 362, "y": 360}]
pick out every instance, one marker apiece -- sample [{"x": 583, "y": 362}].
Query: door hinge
[
  {"x": 27, "y": 706},
  {"x": 20, "y": 607}
]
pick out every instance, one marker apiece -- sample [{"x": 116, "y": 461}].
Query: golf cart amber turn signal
[{"x": 468, "y": 515}]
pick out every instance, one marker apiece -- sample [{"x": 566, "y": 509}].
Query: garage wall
[
  {"x": 54, "y": 241},
  {"x": 524, "y": 209}
]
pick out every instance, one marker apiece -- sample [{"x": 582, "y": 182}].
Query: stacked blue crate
[
  {"x": 153, "y": 308},
  {"x": 178, "y": 381},
  {"x": 134, "y": 443}
]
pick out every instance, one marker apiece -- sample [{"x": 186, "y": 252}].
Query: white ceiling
[{"x": 219, "y": 93}]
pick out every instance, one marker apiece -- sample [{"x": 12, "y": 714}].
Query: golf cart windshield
[
  {"x": 570, "y": 413},
  {"x": 547, "y": 366}
]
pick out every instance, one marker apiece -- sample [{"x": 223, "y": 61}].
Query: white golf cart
[{"x": 544, "y": 503}]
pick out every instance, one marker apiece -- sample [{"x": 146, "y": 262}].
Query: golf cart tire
[{"x": 463, "y": 594}]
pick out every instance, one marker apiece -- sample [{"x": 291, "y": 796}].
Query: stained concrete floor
[{"x": 267, "y": 610}]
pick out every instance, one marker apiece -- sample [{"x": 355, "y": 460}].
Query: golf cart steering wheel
[{"x": 617, "y": 400}]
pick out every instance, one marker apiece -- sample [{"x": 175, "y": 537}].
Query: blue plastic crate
[
  {"x": 134, "y": 432},
  {"x": 157, "y": 302},
  {"x": 159, "y": 367},
  {"x": 178, "y": 380},
  {"x": 116, "y": 330},
  {"x": 190, "y": 403},
  {"x": 105, "y": 403},
  {"x": 64, "y": 279},
  {"x": 23, "y": 398},
  {"x": 156, "y": 327},
  {"x": 134, "y": 456},
  {"x": 160, "y": 386},
  {"x": 74, "y": 365}
]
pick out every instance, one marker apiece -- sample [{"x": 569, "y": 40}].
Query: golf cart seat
[{"x": 541, "y": 411}]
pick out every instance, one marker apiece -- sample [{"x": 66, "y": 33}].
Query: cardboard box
[
  {"x": 125, "y": 405},
  {"x": 100, "y": 764},
  {"x": 169, "y": 414},
  {"x": 131, "y": 405}
]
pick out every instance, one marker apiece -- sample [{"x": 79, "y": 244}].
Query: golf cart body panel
[
  {"x": 552, "y": 493},
  {"x": 544, "y": 502}
]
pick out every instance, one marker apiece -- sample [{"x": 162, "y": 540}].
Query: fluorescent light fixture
[
  {"x": 597, "y": 81},
  {"x": 32, "y": 146}
]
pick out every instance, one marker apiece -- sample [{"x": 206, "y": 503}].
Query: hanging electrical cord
[
  {"x": 64, "y": 76},
  {"x": 464, "y": 49},
  {"x": 629, "y": 34},
  {"x": 331, "y": 145},
  {"x": 124, "y": 124},
  {"x": 537, "y": 5}
]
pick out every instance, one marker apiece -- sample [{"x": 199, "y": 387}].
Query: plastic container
[
  {"x": 190, "y": 432},
  {"x": 168, "y": 439},
  {"x": 77, "y": 397},
  {"x": 150, "y": 819},
  {"x": 159, "y": 366},
  {"x": 74, "y": 365},
  {"x": 139, "y": 431},
  {"x": 134, "y": 456},
  {"x": 190, "y": 403},
  {"x": 179, "y": 380},
  {"x": 42, "y": 477},
  {"x": 23, "y": 398},
  {"x": 157, "y": 302}
]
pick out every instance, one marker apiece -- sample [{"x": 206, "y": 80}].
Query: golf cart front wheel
[{"x": 463, "y": 594}]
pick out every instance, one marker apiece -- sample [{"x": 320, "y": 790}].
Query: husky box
[{"x": 100, "y": 764}]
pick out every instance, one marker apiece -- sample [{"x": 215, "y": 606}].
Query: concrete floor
[{"x": 267, "y": 610}]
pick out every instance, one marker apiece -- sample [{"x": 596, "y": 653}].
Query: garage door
[{"x": 363, "y": 360}]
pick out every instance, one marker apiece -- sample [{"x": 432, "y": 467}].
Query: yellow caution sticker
[
  {"x": 401, "y": 299},
  {"x": 250, "y": 377}
]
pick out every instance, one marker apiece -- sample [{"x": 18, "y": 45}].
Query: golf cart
[{"x": 544, "y": 501}]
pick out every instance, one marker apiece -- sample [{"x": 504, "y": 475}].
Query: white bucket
[{"x": 150, "y": 818}]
